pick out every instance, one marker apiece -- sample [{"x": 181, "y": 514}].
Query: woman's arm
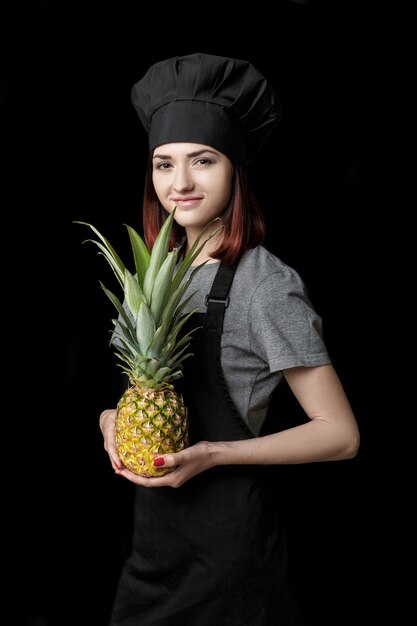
[{"x": 331, "y": 434}]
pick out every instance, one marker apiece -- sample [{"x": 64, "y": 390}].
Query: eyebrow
[{"x": 191, "y": 154}]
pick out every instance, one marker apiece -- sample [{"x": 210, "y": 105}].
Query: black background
[{"x": 77, "y": 151}]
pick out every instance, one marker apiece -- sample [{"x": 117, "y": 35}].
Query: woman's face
[{"x": 195, "y": 178}]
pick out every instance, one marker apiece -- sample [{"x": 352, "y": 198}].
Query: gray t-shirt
[{"x": 269, "y": 326}]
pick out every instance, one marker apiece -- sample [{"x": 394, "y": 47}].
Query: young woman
[{"x": 213, "y": 550}]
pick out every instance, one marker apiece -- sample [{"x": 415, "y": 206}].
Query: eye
[
  {"x": 163, "y": 166},
  {"x": 204, "y": 161}
]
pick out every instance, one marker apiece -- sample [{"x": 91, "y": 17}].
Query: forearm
[{"x": 314, "y": 441}]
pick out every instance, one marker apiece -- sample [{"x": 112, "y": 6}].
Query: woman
[{"x": 213, "y": 551}]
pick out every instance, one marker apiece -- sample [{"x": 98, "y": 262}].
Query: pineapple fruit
[{"x": 151, "y": 417}]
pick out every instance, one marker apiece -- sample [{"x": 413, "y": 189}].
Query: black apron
[{"x": 213, "y": 551}]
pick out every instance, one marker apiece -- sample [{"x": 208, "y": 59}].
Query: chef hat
[{"x": 202, "y": 98}]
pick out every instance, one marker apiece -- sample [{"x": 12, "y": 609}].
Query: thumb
[{"x": 167, "y": 460}]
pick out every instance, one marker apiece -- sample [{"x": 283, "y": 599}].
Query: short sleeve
[{"x": 285, "y": 329}]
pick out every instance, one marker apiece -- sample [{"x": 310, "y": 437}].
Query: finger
[
  {"x": 114, "y": 457},
  {"x": 152, "y": 481},
  {"x": 116, "y": 462},
  {"x": 166, "y": 460},
  {"x": 127, "y": 474}
]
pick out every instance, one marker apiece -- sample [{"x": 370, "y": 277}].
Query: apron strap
[{"x": 218, "y": 299}]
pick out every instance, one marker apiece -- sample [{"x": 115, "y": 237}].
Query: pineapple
[{"x": 151, "y": 417}]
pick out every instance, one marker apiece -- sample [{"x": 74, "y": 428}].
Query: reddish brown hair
[{"x": 244, "y": 224}]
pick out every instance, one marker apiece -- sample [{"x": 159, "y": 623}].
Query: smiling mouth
[{"x": 187, "y": 201}]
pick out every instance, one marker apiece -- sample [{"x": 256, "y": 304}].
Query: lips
[{"x": 187, "y": 201}]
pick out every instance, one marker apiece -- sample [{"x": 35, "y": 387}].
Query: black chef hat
[{"x": 213, "y": 100}]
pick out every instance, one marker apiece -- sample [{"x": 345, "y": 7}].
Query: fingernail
[{"x": 159, "y": 462}]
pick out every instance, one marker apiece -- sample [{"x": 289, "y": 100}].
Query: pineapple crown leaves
[
  {"x": 109, "y": 253},
  {"x": 146, "y": 368},
  {"x": 158, "y": 255},
  {"x": 154, "y": 297},
  {"x": 155, "y": 270},
  {"x": 141, "y": 254}
]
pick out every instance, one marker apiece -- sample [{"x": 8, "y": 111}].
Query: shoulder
[
  {"x": 272, "y": 289},
  {"x": 261, "y": 270}
]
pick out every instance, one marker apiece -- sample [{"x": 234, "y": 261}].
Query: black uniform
[{"x": 213, "y": 551}]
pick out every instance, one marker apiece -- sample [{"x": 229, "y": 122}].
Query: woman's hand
[
  {"x": 187, "y": 463},
  {"x": 107, "y": 420},
  {"x": 330, "y": 434}
]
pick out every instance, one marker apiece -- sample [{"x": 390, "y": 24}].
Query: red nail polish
[{"x": 159, "y": 462}]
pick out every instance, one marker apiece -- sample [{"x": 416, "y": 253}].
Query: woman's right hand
[{"x": 107, "y": 420}]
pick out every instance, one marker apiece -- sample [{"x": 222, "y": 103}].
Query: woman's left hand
[{"x": 187, "y": 463}]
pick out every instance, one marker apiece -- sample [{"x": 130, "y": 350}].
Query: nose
[{"x": 182, "y": 180}]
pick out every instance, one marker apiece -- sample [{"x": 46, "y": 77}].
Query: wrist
[{"x": 224, "y": 452}]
